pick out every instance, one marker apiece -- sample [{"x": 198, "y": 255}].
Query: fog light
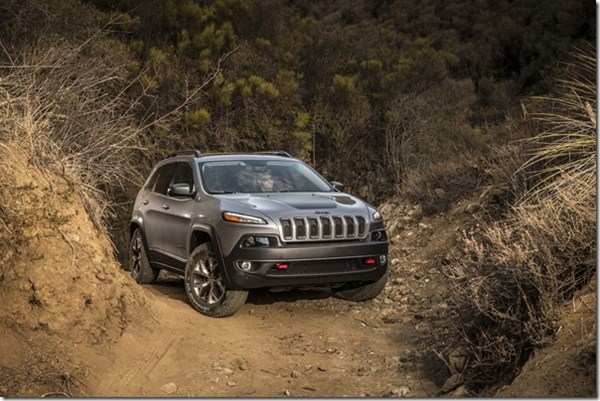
[
  {"x": 382, "y": 259},
  {"x": 245, "y": 265},
  {"x": 379, "y": 236},
  {"x": 252, "y": 242}
]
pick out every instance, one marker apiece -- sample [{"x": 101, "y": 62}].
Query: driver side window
[{"x": 184, "y": 175}]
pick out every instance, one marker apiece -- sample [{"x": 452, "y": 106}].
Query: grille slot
[
  {"x": 339, "y": 226},
  {"x": 300, "y": 228},
  {"x": 350, "y": 230},
  {"x": 361, "y": 225},
  {"x": 286, "y": 225},
  {"x": 313, "y": 227},
  {"x": 326, "y": 224}
]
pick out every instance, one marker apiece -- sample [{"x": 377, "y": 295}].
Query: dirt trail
[
  {"x": 278, "y": 344},
  {"x": 297, "y": 343}
]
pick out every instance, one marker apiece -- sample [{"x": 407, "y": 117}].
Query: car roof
[
  {"x": 195, "y": 154},
  {"x": 245, "y": 156}
]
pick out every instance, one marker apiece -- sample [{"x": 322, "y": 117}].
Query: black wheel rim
[
  {"x": 206, "y": 283},
  {"x": 136, "y": 256}
]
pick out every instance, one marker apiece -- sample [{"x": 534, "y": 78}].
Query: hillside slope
[
  {"x": 566, "y": 368},
  {"x": 59, "y": 280}
]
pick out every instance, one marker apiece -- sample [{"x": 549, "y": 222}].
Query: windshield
[{"x": 257, "y": 176}]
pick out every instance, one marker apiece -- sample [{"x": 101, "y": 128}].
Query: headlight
[
  {"x": 376, "y": 216},
  {"x": 242, "y": 218}
]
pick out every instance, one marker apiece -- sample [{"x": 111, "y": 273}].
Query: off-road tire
[
  {"x": 205, "y": 288},
  {"x": 139, "y": 266},
  {"x": 362, "y": 292}
]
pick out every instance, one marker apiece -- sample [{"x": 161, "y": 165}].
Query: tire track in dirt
[{"x": 144, "y": 366}]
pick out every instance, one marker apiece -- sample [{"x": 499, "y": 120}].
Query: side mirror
[
  {"x": 180, "y": 190},
  {"x": 338, "y": 186}
]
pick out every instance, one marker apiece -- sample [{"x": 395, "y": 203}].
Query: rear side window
[{"x": 163, "y": 178}]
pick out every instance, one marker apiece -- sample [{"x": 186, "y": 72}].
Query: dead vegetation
[
  {"x": 512, "y": 277},
  {"x": 69, "y": 111}
]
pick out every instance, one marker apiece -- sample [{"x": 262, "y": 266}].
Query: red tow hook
[{"x": 369, "y": 261}]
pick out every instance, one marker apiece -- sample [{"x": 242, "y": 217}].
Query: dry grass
[
  {"x": 70, "y": 112},
  {"x": 512, "y": 276},
  {"x": 78, "y": 111},
  {"x": 567, "y": 149},
  {"x": 456, "y": 179}
]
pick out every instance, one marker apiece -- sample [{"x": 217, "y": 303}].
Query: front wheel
[
  {"x": 205, "y": 288},
  {"x": 362, "y": 292}
]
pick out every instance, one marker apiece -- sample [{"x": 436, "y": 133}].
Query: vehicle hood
[{"x": 276, "y": 205}]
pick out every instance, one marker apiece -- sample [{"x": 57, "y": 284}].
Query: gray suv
[{"x": 233, "y": 222}]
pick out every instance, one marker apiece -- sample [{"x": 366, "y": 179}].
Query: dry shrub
[
  {"x": 512, "y": 276},
  {"x": 456, "y": 179},
  {"x": 82, "y": 110},
  {"x": 68, "y": 106}
]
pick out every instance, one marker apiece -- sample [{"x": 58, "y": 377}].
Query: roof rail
[
  {"x": 194, "y": 152},
  {"x": 275, "y": 153}
]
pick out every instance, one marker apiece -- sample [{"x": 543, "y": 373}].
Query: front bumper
[{"x": 309, "y": 264}]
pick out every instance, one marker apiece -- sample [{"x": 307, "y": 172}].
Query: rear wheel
[
  {"x": 139, "y": 266},
  {"x": 205, "y": 287},
  {"x": 358, "y": 292}
]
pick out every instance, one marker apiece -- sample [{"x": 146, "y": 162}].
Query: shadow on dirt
[
  {"x": 172, "y": 287},
  {"x": 434, "y": 368},
  {"x": 266, "y": 297}
]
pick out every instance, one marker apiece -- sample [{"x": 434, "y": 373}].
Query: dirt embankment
[
  {"x": 60, "y": 284},
  {"x": 74, "y": 323}
]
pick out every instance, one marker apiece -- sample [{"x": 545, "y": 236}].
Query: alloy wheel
[
  {"x": 136, "y": 256},
  {"x": 206, "y": 281}
]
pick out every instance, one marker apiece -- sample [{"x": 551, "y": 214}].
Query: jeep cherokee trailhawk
[{"x": 233, "y": 222}]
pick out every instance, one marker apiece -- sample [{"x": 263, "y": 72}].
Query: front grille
[
  {"x": 323, "y": 228},
  {"x": 316, "y": 267}
]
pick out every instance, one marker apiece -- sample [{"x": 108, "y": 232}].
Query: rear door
[{"x": 154, "y": 206}]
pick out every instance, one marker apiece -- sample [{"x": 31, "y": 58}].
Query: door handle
[
  {"x": 145, "y": 202},
  {"x": 166, "y": 207}
]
